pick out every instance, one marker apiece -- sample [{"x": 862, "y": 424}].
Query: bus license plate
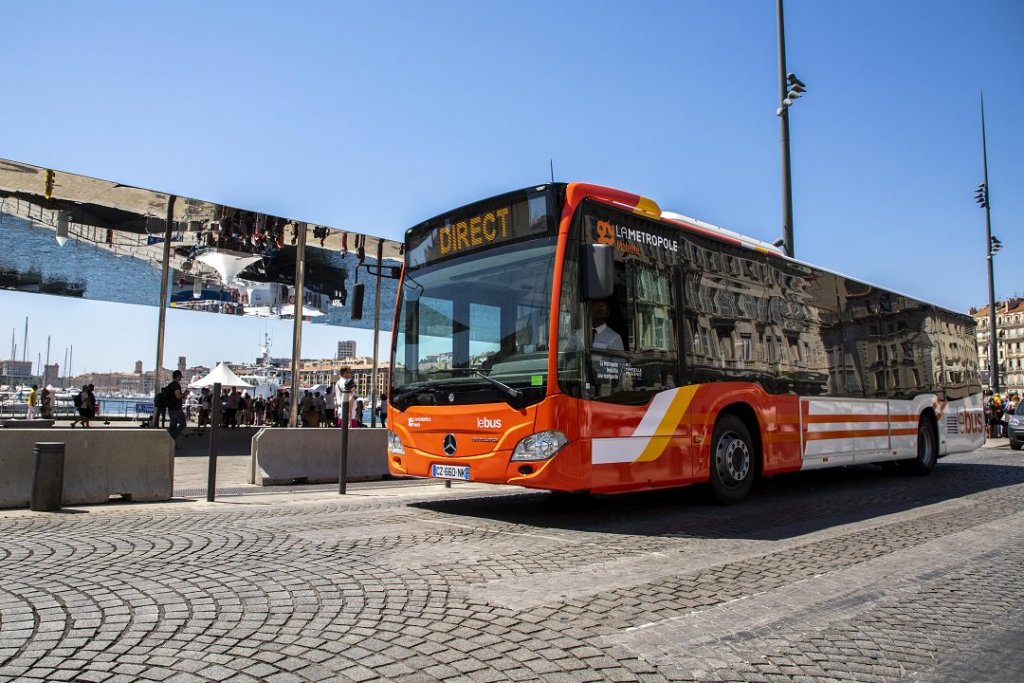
[{"x": 450, "y": 471}]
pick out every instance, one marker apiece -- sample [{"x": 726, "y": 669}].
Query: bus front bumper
[{"x": 565, "y": 471}]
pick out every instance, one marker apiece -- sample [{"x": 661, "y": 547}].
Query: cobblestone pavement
[{"x": 842, "y": 575}]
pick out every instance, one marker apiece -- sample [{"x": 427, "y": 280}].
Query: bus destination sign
[
  {"x": 484, "y": 227},
  {"x": 481, "y": 230}
]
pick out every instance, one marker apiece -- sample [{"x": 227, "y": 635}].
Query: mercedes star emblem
[{"x": 449, "y": 444}]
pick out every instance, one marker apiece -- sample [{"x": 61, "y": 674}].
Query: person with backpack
[{"x": 173, "y": 398}]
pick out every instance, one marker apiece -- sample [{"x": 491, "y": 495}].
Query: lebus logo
[
  {"x": 629, "y": 241},
  {"x": 970, "y": 422}
]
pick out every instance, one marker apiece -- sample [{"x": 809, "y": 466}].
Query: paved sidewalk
[{"x": 848, "y": 574}]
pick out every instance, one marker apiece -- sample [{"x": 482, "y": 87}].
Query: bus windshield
[{"x": 473, "y": 329}]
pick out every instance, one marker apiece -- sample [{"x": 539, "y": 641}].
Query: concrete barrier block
[
  {"x": 136, "y": 464},
  {"x": 285, "y": 456}
]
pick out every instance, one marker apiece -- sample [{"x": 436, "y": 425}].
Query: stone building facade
[{"x": 1009, "y": 343}]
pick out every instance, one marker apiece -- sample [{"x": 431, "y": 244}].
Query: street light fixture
[
  {"x": 796, "y": 89},
  {"x": 791, "y": 88}
]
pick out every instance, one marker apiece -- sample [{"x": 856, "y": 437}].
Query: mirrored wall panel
[{"x": 72, "y": 235}]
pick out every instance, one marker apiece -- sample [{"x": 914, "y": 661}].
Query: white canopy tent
[
  {"x": 222, "y": 374},
  {"x": 228, "y": 264}
]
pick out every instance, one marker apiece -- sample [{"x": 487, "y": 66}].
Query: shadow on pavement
[{"x": 780, "y": 507}]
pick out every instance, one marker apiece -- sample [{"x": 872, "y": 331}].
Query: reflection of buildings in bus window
[
  {"x": 440, "y": 361},
  {"x": 653, "y": 310},
  {"x": 889, "y": 343}
]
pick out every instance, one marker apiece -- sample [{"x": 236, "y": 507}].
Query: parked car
[{"x": 1015, "y": 427}]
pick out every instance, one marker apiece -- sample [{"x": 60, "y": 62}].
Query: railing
[
  {"x": 14, "y": 408},
  {"x": 64, "y": 409},
  {"x": 120, "y": 242}
]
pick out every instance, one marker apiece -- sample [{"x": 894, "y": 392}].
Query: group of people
[
  {"x": 997, "y": 411},
  {"x": 258, "y": 233},
  {"x": 238, "y": 409},
  {"x": 255, "y": 233},
  {"x": 39, "y": 400},
  {"x": 346, "y": 384},
  {"x": 86, "y": 404},
  {"x": 40, "y": 404}
]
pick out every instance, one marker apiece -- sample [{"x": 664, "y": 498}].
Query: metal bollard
[{"x": 48, "y": 479}]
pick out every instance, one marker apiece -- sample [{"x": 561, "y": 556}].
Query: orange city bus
[{"x": 732, "y": 361}]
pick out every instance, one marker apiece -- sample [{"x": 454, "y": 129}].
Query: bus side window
[
  {"x": 655, "y": 353},
  {"x": 644, "y": 315}
]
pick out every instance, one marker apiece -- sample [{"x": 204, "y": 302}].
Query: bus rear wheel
[
  {"x": 733, "y": 460},
  {"x": 927, "y": 449}
]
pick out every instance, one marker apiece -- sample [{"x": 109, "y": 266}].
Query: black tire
[
  {"x": 1016, "y": 446},
  {"x": 927, "y": 449},
  {"x": 733, "y": 460}
]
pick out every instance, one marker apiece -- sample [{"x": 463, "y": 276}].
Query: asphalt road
[{"x": 839, "y": 575}]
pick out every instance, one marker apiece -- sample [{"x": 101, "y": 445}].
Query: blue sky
[{"x": 371, "y": 116}]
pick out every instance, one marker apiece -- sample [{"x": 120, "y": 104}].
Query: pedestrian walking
[
  {"x": 175, "y": 408},
  {"x": 33, "y": 402}
]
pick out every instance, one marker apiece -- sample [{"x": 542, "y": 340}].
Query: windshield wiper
[
  {"x": 406, "y": 397},
  {"x": 511, "y": 391}
]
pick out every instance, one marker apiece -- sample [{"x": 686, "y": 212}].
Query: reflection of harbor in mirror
[
  {"x": 79, "y": 236},
  {"x": 86, "y": 238}
]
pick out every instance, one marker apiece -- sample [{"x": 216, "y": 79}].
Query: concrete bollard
[{"x": 48, "y": 479}]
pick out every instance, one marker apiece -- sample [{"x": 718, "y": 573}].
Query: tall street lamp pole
[
  {"x": 790, "y": 88},
  {"x": 992, "y": 245}
]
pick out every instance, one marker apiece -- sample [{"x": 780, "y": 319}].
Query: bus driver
[{"x": 603, "y": 337}]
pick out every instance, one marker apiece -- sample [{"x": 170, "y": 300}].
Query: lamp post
[
  {"x": 790, "y": 88},
  {"x": 992, "y": 245}
]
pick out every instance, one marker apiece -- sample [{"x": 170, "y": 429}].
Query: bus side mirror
[
  {"x": 599, "y": 266},
  {"x": 357, "y": 301}
]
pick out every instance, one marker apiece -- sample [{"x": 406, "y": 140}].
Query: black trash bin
[{"x": 48, "y": 479}]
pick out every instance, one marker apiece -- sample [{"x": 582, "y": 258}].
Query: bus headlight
[
  {"x": 395, "y": 444},
  {"x": 540, "y": 446}
]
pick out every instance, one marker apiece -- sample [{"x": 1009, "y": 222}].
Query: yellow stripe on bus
[{"x": 667, "y": 426}]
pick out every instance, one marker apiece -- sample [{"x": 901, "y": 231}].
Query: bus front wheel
[{"x": 733, "y": 460}]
